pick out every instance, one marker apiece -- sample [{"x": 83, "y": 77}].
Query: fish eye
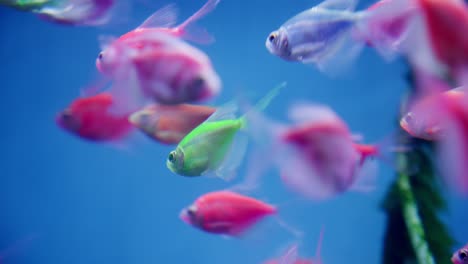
[
  {"x": 272, "y": 37},
  {"x": 100, "y": 55},
  {"x": 463, "y": 255},
  {"x": 191, "y": 210},
  {"x": 171, "y": 156},
  {"x": 67, "y": 115}
]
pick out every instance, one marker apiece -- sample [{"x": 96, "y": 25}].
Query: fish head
[
  {"x": 175, "y": 161},
  {"x": 277, "y": 43},
  {"x": 417, "y": 126},
  {"x": 146, "y": 120},
  {"x": 191, "y": 216},
  {"x": 68, "y": 120},
  {"x": 460, "y": 257},
  {"x": 115, "y": 59}
]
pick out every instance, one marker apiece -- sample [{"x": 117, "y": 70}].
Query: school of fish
[{"x": 156, "y": 81}]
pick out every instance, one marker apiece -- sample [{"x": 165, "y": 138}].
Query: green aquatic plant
[{"x": 415, "y": 233}]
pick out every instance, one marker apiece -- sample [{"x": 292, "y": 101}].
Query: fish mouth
[{"x": 184, "y": 216}]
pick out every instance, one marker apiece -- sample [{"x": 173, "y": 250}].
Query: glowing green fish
[{"x": 215, "y": 147}]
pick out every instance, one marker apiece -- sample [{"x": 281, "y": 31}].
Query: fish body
[
  {"x": 225, "y": 213},
  {"x": 90, "y": 119},
  {"x": 173, "y": 73},
  {"x": 314, "y": 35},
  {"x": 169, "y": 124},
  {"x": 204, "y": 148},
  {"x": 215, "y": 145}
]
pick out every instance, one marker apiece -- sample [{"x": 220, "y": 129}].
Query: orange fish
[{"x": 169, "y": 124}]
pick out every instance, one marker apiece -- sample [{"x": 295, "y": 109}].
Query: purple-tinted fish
[
  {"x": 331, "y": 34},
  {"x": 317, "y": 156}
]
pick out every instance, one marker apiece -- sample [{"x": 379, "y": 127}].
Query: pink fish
[
  {"x": 428, "y": 118},
  {"x": 226, "y": 213},
  {"x": 173, "y": 73},
  {"x": 460, "y": 256},
  {"x": 444, "y": 20},
  {"x": 169, "y": 124},
  {"x": 89, "y": 118},
  {"x": 317, "y": 156},
  {"x": 443, "y": 117},
  {"x": 78, "y": 12}
]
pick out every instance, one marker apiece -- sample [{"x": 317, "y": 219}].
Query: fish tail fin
[
  {"x": 191, "y": 31},
  {"x": 263, "y": 103}
]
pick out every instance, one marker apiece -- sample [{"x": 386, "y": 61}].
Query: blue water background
[{"x": 81, "y": 202}]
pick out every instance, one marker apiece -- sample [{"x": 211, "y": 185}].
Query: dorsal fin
[
  {"x": 165, "y": 17},
  {"x": 348, "y": 5}
]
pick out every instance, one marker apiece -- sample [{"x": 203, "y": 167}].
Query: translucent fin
[
  {"x": 291, "y": 255},
  {"x": 165, "y": 17},
  {"x": 263, "y": 103},
  {"x": 453, "y": 154},
  {"x": 126, "y": 92},
  {"x": 376, "y": 26},
  {"x": 224, "y": 112},
  {"x": 318, "y": 250},
  {"x": 311, "y": 113},
  {"x": 343, "y": 52},
  {"x": 105, "y": 41},
  {"x": 233, "y": 159},
  {"x": 366, "y": 177},
  {"x": 194, "y": 33},
  {"x": 348, "y": 5},
  {"x": 94, "y": 88}
]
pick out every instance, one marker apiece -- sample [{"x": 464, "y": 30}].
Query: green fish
[
  {"x": 214, "y": 147},
  {"x": 26, "y": 5}
]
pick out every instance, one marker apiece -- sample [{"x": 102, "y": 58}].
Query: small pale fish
[
  {"x": 169, "y": 124},
  {"x": 215, "y": 147},
  {"x": 173, "y": 73},
  {"x": 78, "y": 12},
  {"x": 317, "y": 156},
  {"x": 331, "y": 34},
  {"x": 226, "y": 213},
  {"x": 460, "y": 256},
  {"x": 89, "y": 118}
]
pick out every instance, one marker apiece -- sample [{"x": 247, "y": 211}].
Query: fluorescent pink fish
[
  {"x": 173, "y": 73},
  {"x": 317, "y": 156},
  {"x": 89, "y": 118},
  {"x": 226, "y": 213},
  {"x": 444, "y": 20},
  {"x": 443, "y": 116},
  {"x": 460, "y": 256}
]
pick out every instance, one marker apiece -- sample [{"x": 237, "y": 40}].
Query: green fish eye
[{"x": 171, "y": 157}]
